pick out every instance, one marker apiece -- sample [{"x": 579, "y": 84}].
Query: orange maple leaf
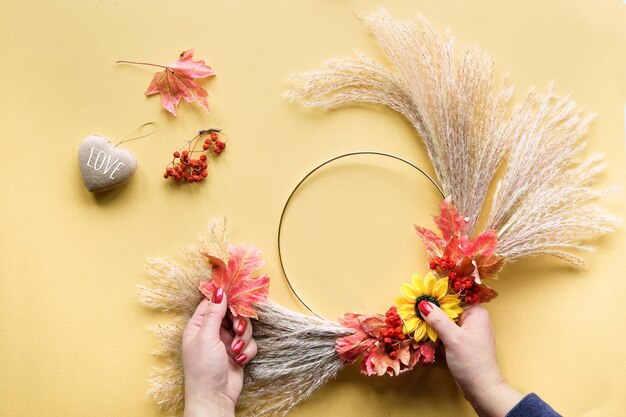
[
  {"x": 234, "y": 276},
  {"x": 177, "y": 80}
]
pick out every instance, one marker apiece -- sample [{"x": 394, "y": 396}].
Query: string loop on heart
[{"x": 138, "y": 129}]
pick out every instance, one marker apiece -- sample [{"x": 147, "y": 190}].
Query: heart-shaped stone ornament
[{"x": 102, "y": 165}]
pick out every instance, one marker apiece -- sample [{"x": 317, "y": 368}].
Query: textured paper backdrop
[{"x": 73, "y": 339}]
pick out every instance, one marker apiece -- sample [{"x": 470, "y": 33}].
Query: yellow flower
[{"x": 425, "y": 289}]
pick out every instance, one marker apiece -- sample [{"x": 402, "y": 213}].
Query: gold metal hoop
[{"x": 311, "y": 172}]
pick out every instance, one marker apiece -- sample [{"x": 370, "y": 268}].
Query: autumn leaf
[
  {"x": 373, "y": 324},
  {"x": 484, "y": 244},
  {"x": 367, "y": 340},
  {"x": 234, "y": 276},
  {"x": 349, "y": 348},
  {"x": 482, "y": 250},
  {"x": 450, "y": 222},
  {"x": 178, "y": 80},
  {"x": 433, "y": 243},
  {"x": 456, "y": 255},
  {"x": 427, "y": 352},
  {"x": 379, "y": 363},
  {"x": 486, "y": 293}
]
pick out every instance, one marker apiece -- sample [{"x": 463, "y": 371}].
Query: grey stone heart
[{"x": 102, "y": 165}]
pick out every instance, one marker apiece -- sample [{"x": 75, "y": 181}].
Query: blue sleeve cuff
[{"x": 532, "y": 406}]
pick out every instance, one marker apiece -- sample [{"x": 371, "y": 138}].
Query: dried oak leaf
[
  {"x": 234, "y": 276},
  {"x": 177, "y": 81}
]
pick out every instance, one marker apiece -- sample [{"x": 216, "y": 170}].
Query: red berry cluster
[
  {"x": 465, "y": 287},
  {"x": 392, "y": 335},
  {"x": 443, "y": 263},
  {"x": 214, "y": 144},
  {"x": 188, "y": 169},
  {"x": 460, "y": 282}
]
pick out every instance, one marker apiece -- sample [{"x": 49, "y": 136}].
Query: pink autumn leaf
[
  {"x": 484, "y": 244},
  {"x": 482, "y": 250},
  {"x": 433, "y": 243},
  {"x": 373, "y": 324},
  {"x": 178, "y": 80},
  {"x": 452, "y": 249},
  {"x": 242, "y": 290},
  {"x": 449, "y": 221},
  {"x": 379, "y": 363},
  {"x": 350, "y": 347},
  {"x": 404, "y": 356},
  {"x": 427, "y": 352}
]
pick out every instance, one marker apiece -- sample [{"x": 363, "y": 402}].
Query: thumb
[
  {"x": 438, "y": 320},
  {"x": 213, "y": 313}
]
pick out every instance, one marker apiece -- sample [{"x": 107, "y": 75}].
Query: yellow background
[{"x": 74, "y": 340}]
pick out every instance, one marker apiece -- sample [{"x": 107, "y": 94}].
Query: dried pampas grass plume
[
  {"x": 545, "y": 203},
  {"x": 296, "y": 353},
  {"x": 449, "y": 96},
  {"x": 296, "y": 357},
  {"x": 174, "y": 289}
]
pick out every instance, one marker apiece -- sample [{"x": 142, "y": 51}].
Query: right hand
[
  {"x": 471, "y": 357},
  {"x": 215, "y": 348}
]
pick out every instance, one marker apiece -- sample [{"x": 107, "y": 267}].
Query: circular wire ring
[{"x": 282, "y": 214}]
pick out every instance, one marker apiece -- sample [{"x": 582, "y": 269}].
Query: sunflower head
[{"x": 428, "y": 289}]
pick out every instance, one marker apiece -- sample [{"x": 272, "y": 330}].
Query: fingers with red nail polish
[
  {"x": 238, "y": 346},
  {"x": 218, "y": 296},
  {"x": 240, "y": 328},
  {"x": 425, "y": 308},
  {"x": 243, "y": 347}
]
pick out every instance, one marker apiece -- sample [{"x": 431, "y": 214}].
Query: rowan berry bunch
[
  {"x": 185, "y": 166},
  {"x": 465, "y": 287},
  {"x": 392, "y": 335}
]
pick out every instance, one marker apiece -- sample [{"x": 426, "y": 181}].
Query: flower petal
[
  {"x": 429, "y": 283},
  {"x": 403, "y": 302},
  {"x": 411, "y": 324},
  {"x": 420, "y": 331},
  {"x": 454, "y": 312},
  {"x": 432, "y": 334},
  {"x": 441, "y": 289},
  {"x": 408, "y": 291},
  {"x": 418, "y": 283}
]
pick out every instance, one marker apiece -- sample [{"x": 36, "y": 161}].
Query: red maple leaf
[
  {"x": 456, "y": 255},
  {"x": 234, "y": 276},
  {"x": 177, "y": 80}
]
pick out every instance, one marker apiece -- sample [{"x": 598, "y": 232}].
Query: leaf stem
[{"x": 140, "y": 63}]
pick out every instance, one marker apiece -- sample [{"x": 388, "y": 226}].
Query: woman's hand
[
  {"x": 471, "y": 357},
  {"x": 216, "y": 346}
]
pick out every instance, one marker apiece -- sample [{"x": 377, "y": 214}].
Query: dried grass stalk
[
  {"x": 450, "y": 99},
  {"x": 296, "y": 357},
  {"x": 544, "y": 204},
  {"x": 296, "y": 353},
  {"x": 175, "y": 289}
]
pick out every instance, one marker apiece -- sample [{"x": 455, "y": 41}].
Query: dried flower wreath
[{"x": 543, "y": 204}]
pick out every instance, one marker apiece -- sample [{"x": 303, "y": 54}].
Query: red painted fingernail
[
  {"x": 238, "y": 346},
  {"x": 218, "y": 296},
  {"x": 241, "y": 328},
  {"x": 425, "y": 308},
  {"x": 241, "y": 359}
]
